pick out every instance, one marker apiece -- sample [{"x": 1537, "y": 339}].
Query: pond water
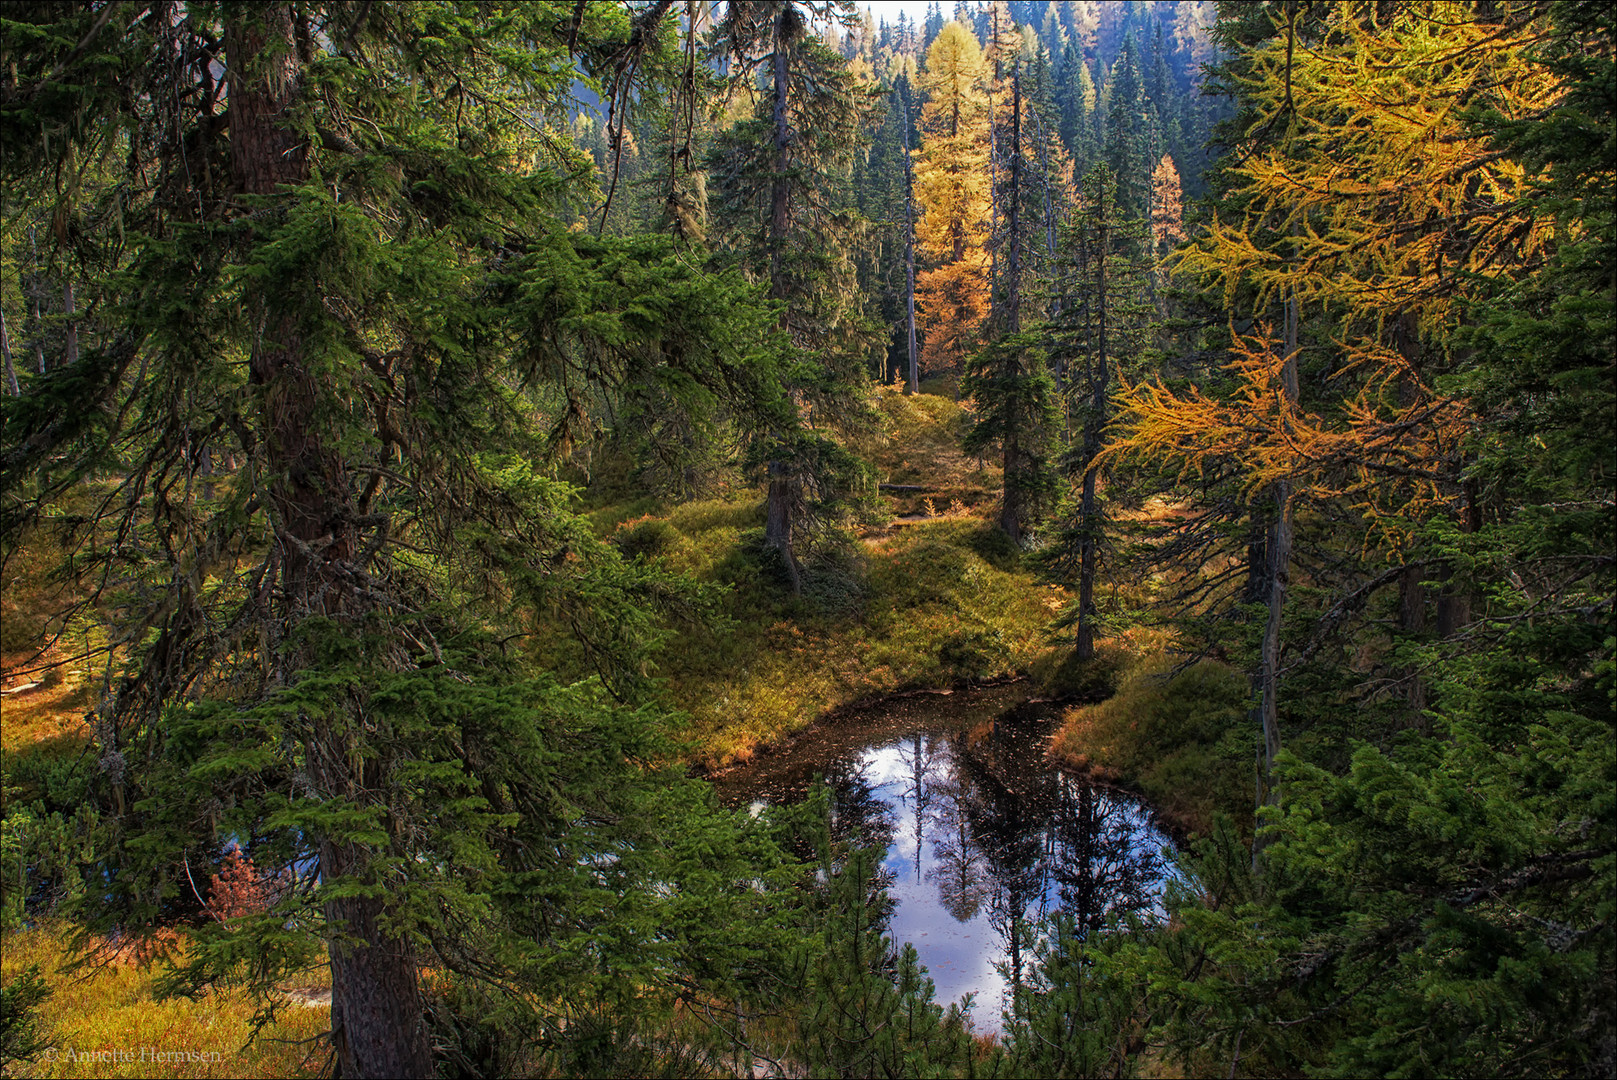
[{"x": 982, "y": 834}]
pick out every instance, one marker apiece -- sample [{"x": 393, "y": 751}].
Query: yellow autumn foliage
[{"x": 1369, "y": 199}]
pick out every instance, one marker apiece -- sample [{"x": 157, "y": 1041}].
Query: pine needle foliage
[{"x": 306, "y": 478}]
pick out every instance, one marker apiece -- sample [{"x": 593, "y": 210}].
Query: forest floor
[{"x": 924, "y": 593}]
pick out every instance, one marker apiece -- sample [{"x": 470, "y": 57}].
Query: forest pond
[{"x": 982, "y": 833}]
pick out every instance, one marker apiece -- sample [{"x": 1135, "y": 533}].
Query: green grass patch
[
  {"x": 106, "y": 1021},
  {"x": 1184, "y": 740},
  {"x": 933, "y": 604}
]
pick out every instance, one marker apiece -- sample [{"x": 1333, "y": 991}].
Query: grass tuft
[
  {"x": 1182, "y": 739},
  {"x": 105, "y": 1021}
]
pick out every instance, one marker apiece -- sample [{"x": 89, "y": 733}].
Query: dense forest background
[{"x": 434, "y": 434}]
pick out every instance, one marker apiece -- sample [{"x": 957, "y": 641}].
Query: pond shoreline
[{"x": 841, "y": 713}]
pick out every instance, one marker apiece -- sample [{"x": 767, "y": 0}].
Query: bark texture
[{"x": 378, "y": 1024}]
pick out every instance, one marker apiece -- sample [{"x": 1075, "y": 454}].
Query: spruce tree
[
  {"x": 1102, "y": 325},
  {"x": 353, "y": 332},
  {"x": 780, "y": 186},
  {"x": 1128, "y": 133},
  {"x": 1013, "y": 393}
]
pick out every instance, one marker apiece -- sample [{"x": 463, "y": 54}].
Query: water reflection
[{"x": 981, "y": 835}]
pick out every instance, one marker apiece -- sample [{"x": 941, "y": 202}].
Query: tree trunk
[
  {"x": 33, "y": 296},
  {"x": 993, "y": 173},
  {"x": 779, "y": 191},
  {"x": 913, "y": 386},
  {"x": 1412, "y": 583},
  {"x": 12, "y": 387},
  {"x": 70, "y": 345},
  {"x": 778, "y": 520},
  {"x": 1279, "y": 544},
  {"x": 1094, "y": 426},
  {"x": 1412, "y": 621},
  {"x": 1013, "y": 511},
  {"x": 778, "y": 515},
  {"x": 378, "y": 1026}
]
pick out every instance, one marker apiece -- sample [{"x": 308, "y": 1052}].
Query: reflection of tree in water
[
  {"x": 860, "y": 819},
  {"x": 1009, "y": 816},
  {"x": 959, "y": 868},
  {"x": 1106, "y": 858},
  {"x": 919, "y": 754}
]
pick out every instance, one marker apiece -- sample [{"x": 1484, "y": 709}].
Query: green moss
[{"x": 1184, "y": 739}]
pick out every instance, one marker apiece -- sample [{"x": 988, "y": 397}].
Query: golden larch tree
[
  {"x": 1167, "y": 205},
  {"x": 951, "y": 187},
  {"x": 1368, "y": 202}
]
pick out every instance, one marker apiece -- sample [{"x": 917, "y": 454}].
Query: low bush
[{"x": 646, "y": 537}]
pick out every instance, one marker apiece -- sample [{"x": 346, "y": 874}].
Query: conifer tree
[
  {"x": 1128, "y": 133},
  {"x": 1101, "y": 326},
  {"x": 779, "y": 182},
  {"x": 1013, "y": 394},
  {"x": 354, "y": 329},
  {"x": 1167, "y": 206},
  {"x": 952, "y": 193}
]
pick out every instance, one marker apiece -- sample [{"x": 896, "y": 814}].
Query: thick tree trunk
[
  {"x": 778, "y": 524},
  {"x": 1256, "y": 590},
  {"x": 378, "y": 1025},
  {"x": 1454, "y": 601}
]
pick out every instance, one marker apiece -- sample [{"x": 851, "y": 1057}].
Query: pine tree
[
  {"x": 1076, "y": 95},
  {"x": 777, "y": 179},
  {"x": 1013, "y": 394},
  {"x": 934, "y": 24},
  {"x": 354, "y": 328},
  {"x": 1101, "y": 326},
  {"x": 1128, "y": 133}
]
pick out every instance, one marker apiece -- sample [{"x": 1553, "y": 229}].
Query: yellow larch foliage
[
  {"x": 1369, "y": 199},
  {"x": 951, "y": 301},
  {"x": 1396, "y": 199},
  {"x": 951, "y": 177},
  {"x": 1274, "y": 438},
  {"x": 1167, "y": 204},
  {"x": 951, "y": 190}
]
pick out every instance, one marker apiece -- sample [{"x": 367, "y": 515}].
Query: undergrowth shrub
[
  {"x": 648, "y": 536},
  {"x": 20, "y": 1037}
]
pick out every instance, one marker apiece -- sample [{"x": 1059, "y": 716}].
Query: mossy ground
[
  {"x": 932, "y": 597},
  {"x": 105, "y": 1020},
  {"x": 928, "y": 594},
  {"x": 1179, "y": 735}
]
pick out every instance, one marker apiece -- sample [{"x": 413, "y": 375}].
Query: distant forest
[{"x": 436, "y": 437}]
